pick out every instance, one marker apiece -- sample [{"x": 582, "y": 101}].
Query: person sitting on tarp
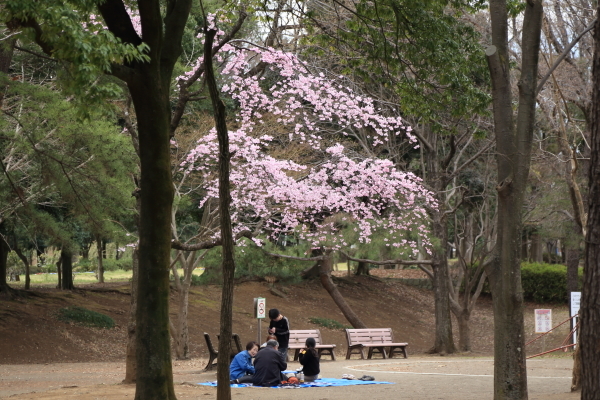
[
  {"x": 241, "y": 369},
  {"x": 309, "y": 358},
  {"x": 268, "y": 366}
]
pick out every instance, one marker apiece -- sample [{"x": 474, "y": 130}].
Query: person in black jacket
[
  {"x": 268, "y": 366},
  {"x": 309, "y": 358},
  {"x": 280, "y": 327}
]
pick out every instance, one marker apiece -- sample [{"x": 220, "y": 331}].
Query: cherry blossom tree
[{"x": 317, "y": 202}]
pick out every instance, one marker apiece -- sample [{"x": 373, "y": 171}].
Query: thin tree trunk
[
  {"x": 67, "y": 269},
  {"x": 182, "y": 332},
  {"x": 327, "y": 282},
  {"x": 226, "y": 331},
  {"x": 444, "y": 341},
  {"x": 4, "y": 250},
  {"x": 100, "y": 257},
  {"x": 513, "y": 146},
  {"x": 59, "y": 272},
  {"x": 590, "y": 301},
  {"x": 26, "y": 263},
  {"x": 130, "y": 355},
  {"x": 537, "y": 249}
]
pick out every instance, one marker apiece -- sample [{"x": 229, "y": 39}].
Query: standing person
[
  {"x": 268, "y": 366},
  {"x": 309, "y": 358},
  {"x": 241, "y": 369},
  {"x": 280, "y": 327}
]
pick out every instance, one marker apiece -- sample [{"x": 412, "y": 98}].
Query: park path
[{"x": 423, "y": 378}]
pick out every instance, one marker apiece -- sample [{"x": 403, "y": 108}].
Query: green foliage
[
  {"x": 85, "y": 317},
  {"x": 70, "y": 34},
  {"x": 423, "y": 51},
  {"x": 545, "y": 283},
  {"x": 109, "y": 264},
  {"x": 253, "y": 261},
  {"x": 328, "y": 323}
]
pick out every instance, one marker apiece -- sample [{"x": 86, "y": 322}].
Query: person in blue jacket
[{"x": 241, "y": 368}]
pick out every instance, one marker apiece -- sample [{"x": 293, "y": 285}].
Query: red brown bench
[
  {"x": 380, "y": 340},
  {"x": 298, "y": 342}
]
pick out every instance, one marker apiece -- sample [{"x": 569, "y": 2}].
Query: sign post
[
  {"x": 260, "y": 312},
  {"x": 575, "y": 301}
]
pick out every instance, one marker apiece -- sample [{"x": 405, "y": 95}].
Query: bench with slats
[
  {"x": 298, "y": 342},
  {"x": 376, "y": 340}
]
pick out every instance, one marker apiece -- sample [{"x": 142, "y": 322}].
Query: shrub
[
  {"x": 545, "y": 283},
  {"x": 85, "y": 317},
  {"x": 328, "y": 323}
]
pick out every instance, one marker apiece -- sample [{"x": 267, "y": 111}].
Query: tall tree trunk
[
  {"x": 536, "y": 253},
  {"x": 181, "y": 334},
  {"x": 104, "y": 253},
  {"x": 325, "y": 276},
  {"x": 25, "y": 261},
  {"x": 67, "y": 269},
  {"x": 154, "y": 378},
  {"x": 444, "y": 341},
  {"x": 100, "y": 258},
  {"x": 4, "y": 250},
  {"x": 59, "y": 272},
  {"x": 228, "y": 243},
  {"x": 513, "y": 146},
  {"x": 130, "y": 355},
  {"x": 590, "y": 301}
]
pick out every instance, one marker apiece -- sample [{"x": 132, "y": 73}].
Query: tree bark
[
  {"x": 444, "y": 340},
  {"x": 130, "y": 356},
  {"x": 362, "y": 268},
  {"x": 25, "y": 261},
  {"x": 536, "y": 253},
  {"x": 513, "y": 145},
  {"x": 325, "y": 276},
  {"x": 101, "y": 250},
  {"x": 59, "y": 272},
  {"x": 4, "y": 250},
  {"x": 464, "y": 331},
  {"x": 590, "y": 301},
  {"x": 67, "y": 269},
  {"x": 226, "y": 330}
]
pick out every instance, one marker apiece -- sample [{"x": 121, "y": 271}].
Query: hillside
[{"x": 31, "y": 332}]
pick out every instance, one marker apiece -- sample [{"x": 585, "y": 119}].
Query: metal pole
[{"x": 259, "y": 331}]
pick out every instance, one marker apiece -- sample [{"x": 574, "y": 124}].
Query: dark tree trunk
[
  {"x": 590, "y": 301},
  {"x": 513, "y": 148},
  {"x": 537, "y": 250},
  {"x": 154, "y": 378},
  {"x": 572, "y": 255},
  {"x": 362, "y": 268},
  {"x": 4, "y": 250},
  {"x": 25, "y": 261},
  {"x": 444, "y": 341},
  {"x": 59, "y": 272},
  {"x": 130, "y": 360},
  {"x": 67, "y": 269},
  {"x": 226, "y": 331},
  {"x": 325, "y": 276},
  {"x": 101, "y": 249}
]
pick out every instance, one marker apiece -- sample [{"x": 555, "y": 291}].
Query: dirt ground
[
  {"x": 423, "y": 378},
  {"x": 39, "y": 353}
]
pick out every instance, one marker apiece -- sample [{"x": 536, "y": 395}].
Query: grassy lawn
[{"x": 85, "y": 277}]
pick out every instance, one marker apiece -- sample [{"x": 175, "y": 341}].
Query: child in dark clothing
[
  {"x": 309, "y": 358},
  {"x": 280, "y": 327}
]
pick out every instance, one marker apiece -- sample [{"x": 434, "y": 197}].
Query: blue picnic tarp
[{"x": 323, "y": 382}]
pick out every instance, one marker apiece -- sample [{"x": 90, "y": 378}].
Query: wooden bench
[
  {"x": 375, "y": 340},
  {"x": 298, "y": 342},
  {"x": 236, "y": 347}
]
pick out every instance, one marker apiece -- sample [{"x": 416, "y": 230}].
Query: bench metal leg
[
  {"x": 380, "y": 350},
  {"x": 351, "y": 351}
]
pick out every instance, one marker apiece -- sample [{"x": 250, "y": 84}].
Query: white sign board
[
  {"x": 260, "y": 307},
  {"x": 543, "y": 320},
  {"x": 575, "y": 301}
]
